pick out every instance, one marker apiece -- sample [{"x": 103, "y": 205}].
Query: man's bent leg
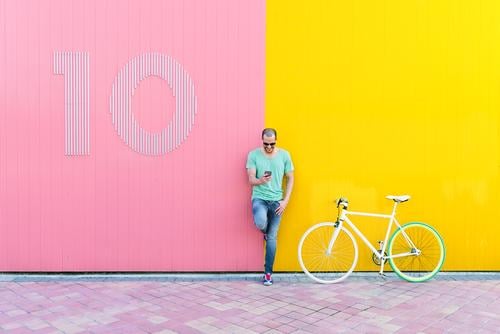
[{"x": 259, "y": 210}]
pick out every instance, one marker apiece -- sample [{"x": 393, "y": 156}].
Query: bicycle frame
[{"x": 343, "y": 217}]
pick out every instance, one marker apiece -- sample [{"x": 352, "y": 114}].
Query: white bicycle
[{"x": 328, "y": 252}]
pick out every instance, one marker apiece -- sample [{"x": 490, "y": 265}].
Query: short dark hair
[{"x": 268, "y": 132}]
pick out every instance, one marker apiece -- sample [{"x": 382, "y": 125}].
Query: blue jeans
[{"x": 268, "y": 222}]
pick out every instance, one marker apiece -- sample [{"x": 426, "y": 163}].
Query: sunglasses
[{"x": 269, "y": 144}]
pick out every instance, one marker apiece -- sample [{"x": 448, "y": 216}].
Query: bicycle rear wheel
[
  {"x": 314, "y": 259},
  {"x": 426, "y": 260}
]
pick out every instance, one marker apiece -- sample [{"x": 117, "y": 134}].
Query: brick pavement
[{"x": 241, "y": 304}]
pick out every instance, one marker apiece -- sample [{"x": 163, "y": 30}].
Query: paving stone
[{"x": 240, "y": 304}]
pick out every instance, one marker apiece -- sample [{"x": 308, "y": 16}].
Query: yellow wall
[{"x": 390, "y": 97}]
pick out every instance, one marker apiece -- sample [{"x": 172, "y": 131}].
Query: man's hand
[
  {"x": 281, "y": 208},
  {"x": 265, "y": 179}
]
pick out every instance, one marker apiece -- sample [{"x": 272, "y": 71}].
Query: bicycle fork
[{"x": 336, "y": 231}]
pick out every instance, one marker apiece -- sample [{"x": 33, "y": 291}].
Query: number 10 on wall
[{"x": 74, "y": 66}]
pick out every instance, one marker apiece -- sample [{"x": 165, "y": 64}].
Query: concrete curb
[{"x": 195, "y": 277}]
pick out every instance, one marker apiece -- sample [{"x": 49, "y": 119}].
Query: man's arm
[
  {"x": 289, "y": 186},
  {"x": 253, "y": 180},
  {"x": 288, "y": 193}
]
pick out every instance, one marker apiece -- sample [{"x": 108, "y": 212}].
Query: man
[{"x": 266, "y": 167}]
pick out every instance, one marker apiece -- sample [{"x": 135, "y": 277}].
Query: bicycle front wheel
[
  {"x": 321, "y": 265},
  {"x": 426, "y": 252}
]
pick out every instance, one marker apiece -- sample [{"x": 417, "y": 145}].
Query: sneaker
[{"x": 268, "y": 280}]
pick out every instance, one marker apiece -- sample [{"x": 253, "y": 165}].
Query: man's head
[{"x": 269, "y": 137}]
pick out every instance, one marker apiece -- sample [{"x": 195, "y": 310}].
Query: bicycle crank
[{"x": 376, "y": 259}]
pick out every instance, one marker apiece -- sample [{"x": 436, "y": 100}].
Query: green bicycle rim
[{"x": 432, "y": 273}]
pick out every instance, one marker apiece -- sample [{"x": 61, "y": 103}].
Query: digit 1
[{"x": 75, "y": 68}]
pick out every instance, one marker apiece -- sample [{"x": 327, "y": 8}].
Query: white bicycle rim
[{"x": 333, "y": 280}]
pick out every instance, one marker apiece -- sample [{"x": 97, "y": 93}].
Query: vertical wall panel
[
  {"x": 381, "y": 97},
  {"x": 125, "y": 127}
]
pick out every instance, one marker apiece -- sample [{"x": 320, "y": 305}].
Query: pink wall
[{"x": 110, "y": 206}]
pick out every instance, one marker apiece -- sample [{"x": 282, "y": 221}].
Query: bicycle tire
[
  {"x": 322, "y": 267},
  {"x": 421, "y": 267}
]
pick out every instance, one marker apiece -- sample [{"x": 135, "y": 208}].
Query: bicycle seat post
[{"x": 394, "y": 209}]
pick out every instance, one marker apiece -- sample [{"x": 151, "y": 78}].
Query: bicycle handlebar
[{"x": 342, "y": 201}]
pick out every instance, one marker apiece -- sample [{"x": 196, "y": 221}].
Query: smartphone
[{"x": 267, "y": 173}]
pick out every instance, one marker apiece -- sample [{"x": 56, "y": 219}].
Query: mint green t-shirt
[{"x": 279, "y": 165}]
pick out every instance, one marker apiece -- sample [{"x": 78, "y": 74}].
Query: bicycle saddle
[{"x": 399, "y": 199}]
